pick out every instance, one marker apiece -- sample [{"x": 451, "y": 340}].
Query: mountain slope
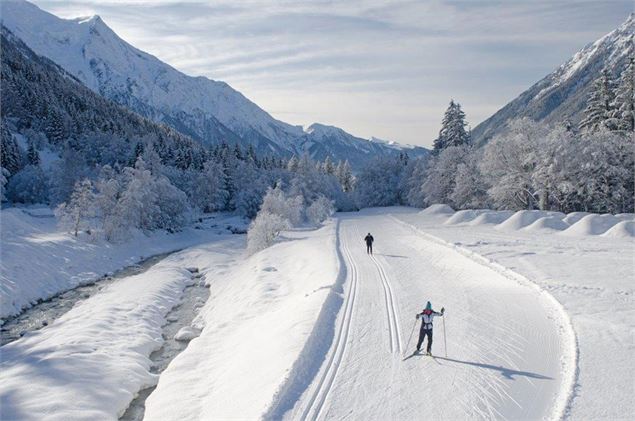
[
  {"x": 38, "y": 94},
  {"x": 562, "y": 95},
  {"x": 209, "y": 111}
]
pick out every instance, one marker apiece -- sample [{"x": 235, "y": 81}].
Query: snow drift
[{"x": 592, "y": 225}]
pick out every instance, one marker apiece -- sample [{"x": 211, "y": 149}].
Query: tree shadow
[{"x": 508, "y": 373}]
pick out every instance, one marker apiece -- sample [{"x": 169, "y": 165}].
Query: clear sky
[{"x": 374, "y": 68}]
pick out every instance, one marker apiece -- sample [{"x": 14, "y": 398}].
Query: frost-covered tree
[
  {"x": 293, "y": 163},
  {"x": 77, "y": 212},
  {"x": 109, "y": 211},
  {"x": 378, "y": 184},
  {"x": 470, "y": 187},
  {"x": 29, "y": 185},
  {"x": 599, "y": 105},
  {"x": 327, "y": 166},
  {"x": 276, "y": 202},
  {"x": 453, "y": 132},
  {"x": 210, "y": 191},
  {"x": 440, "y": 181},
  {"x": 623, "y": 107},
  {"x": 263, "y": 231},
  {"x": 509, "y": 162},
  {"x": 344, "y": 175},
  {"x": 413, "y": 179},
  {"x": 318, "y": 211}
]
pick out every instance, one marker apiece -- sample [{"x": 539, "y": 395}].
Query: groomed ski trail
[{"x": 505, "y": 346}]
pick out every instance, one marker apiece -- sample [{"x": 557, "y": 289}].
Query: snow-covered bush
[
  {"x": 290, "y": 208},
  {"x": 75, "y": 214},
  {"x": 320, "y": 210},
  {"x": 264, "y": 230},
  {"x": 29, "y": 185}
]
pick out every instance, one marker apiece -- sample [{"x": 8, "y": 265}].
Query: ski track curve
[{"x": 316, "y": 403}]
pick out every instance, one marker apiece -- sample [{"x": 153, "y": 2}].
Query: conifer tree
[
  {"x": 599, "y": 106},
  {"x": 623, "y": 113},
  {"x": 452, "y": 131}
]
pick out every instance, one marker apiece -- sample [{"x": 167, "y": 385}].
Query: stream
[
  {"x": 46, "y": 312},
  {"x": 181, "y": 315}
]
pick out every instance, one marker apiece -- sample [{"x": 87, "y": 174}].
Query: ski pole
[
  {"x": 411, "y": 332},
  {"x": 445, "y": 341}
]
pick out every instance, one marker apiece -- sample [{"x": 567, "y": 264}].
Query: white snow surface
[
  {"x": 39, "y": 260},
  {"x": 255, "y": 325},
  {"x": 592, "y": 277},
  {"x": 90, "y": 363}
]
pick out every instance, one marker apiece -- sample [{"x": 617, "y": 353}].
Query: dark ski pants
[
  {"x": 422, "y": 334},
  {"x": 369, "y": 248}
]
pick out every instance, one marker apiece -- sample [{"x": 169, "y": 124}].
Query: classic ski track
[
  {"x": 316, "y": 403},
  {"x": 570, "y": 378},
  {"x": 393, "y": 323}
]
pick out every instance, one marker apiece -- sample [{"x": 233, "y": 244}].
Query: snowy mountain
[
  {"x": 207, "y": 110},
  {"x": 562, "y": 95}
]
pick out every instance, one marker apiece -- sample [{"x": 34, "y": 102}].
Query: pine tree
[
  {"x": 344, "y": 176},
  {"x": 452, "y": 131},
  {"x": 32, "y": 155},
  {"x": 328, "y": 166},
  {"x": 599, "y": 105},
  {"x": 624, "y": 104},
  {"x": 9, "y": 152}
]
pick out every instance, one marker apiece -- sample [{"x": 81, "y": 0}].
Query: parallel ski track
[
  {"x": 316, "y": 403},
  {"x": 393, "y": 321}
]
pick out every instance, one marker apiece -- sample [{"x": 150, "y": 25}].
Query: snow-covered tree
[
  {"x": 293, "y": 163},
  {"x": 378, "y": 184},
  {"x": 263, "y": 231},
  {"x": 66, "y": 172},
  {"x": 509, "y": 162},
  {"x": 276, "y": 202},
  {"x": 32, "y": 155},
  {"x": 470, "y": 187},
  {"x": 77, "y": 212},
  {"x": 623, "y": 107},
  {"x": 599, "y": 105},
  {"x": 29, "y": 185},
  {"x": 210, "y": 192},
  {"x": 413, "y": 181},
  {"x": 10, "y": 158},
  {"x": 345, "y": 176},
  {"x": 4, "y": 178},
  {"x": 453, "y": 132},
  {"x": 318, "y": 211},
  {"x": 327, "y": 166},
  {"x": 109, "y": 211},
  {"x": 442, "y": 169}
]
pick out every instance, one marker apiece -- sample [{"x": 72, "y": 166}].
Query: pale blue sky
[{"x": 374, "y": 68}]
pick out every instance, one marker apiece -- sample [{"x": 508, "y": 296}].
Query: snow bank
[
  {"x": 624, "y": 229},
  {"x": 491, "y": 217},
  {"x": 592, "y": 225},
  {"x": 626, "y": 216},
  {"x": 547, "y": 223},
  {"x": 38, "y": 260},
  {"x": 438, "y": 209},
  {"x": 186, "y": 333},
  {"x": 255, "y": 326},
  {"x": 464, "y": 216},
  {"x": 574, "y": 217},
  {"x": 522, "y": 219}
]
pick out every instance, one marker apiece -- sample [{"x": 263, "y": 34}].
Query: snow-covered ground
[
  {"x": 589, "y": 267},
  {"x": 90, "y": 363},
  {"x": 539, "y": 324},
  {"x": 39, "y": 260}
]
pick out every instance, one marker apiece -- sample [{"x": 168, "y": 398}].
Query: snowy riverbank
[{"x": 39, "y": 260}]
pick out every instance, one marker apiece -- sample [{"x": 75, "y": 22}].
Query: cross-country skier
[
  {"x": 369, "y": 243},
  {"x": 426, "y": 326}
]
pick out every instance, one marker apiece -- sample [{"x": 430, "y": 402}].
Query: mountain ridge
[
  {"x": 562, "y": 94},
  {"x": 207, "y": 110}
]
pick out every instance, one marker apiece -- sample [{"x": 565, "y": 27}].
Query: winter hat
[{"x": 429, "y": 306}]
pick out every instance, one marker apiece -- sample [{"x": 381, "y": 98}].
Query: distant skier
[
  {"x": 426, "y": 326},
  {"x": 369, "y": 243}
]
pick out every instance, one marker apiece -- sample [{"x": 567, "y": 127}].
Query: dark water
[{"x": 180, "y": 316}]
